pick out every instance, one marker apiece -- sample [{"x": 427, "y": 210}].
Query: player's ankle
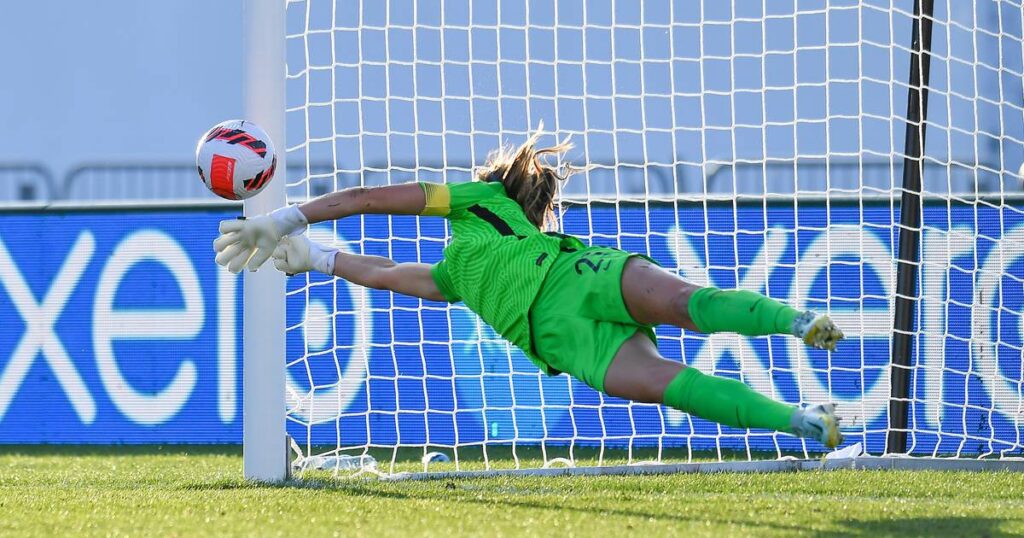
[
  {"x": 802, "y": 323},
  {"x": 795, "y": 419}
]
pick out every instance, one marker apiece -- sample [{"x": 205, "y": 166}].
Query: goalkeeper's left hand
[
  {"x": 297, "y": 254},
  {"x": 250, "y": 242}
]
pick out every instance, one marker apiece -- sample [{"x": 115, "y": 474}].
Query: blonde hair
[{"x": 528, "y": 178}]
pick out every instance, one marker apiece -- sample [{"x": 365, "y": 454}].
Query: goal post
[
  {"x": 909, "y": 241},
  {"x": 757, "y": 145},
  {"x": 265, "y": 455}
]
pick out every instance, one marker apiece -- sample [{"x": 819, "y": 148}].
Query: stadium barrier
[
  {"x": 26, "y": 182},
  {"x": 158, "y": 182}
]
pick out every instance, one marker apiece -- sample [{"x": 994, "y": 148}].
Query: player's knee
[
  {"x": 680, "y": 305},
  {"x": 659, "y": 379},
  {"x": 681, "y": 302}
]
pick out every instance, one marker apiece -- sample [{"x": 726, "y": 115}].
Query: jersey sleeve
[
  {"x": 439, "y": 272},
  {"x": 451, "y": 199}
]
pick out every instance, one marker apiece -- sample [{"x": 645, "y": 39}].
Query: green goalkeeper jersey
[{"x": 496, "y": 260}]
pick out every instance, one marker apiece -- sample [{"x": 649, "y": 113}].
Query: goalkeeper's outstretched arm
[
  {"x": 406, "y": 199},
  {"x": 249, "y": 243},
  {"x": 297, "y": 254},
  {"x": 385, "y": 274}
]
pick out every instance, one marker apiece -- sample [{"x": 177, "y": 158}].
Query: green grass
[{"x": 180, "y": 491}]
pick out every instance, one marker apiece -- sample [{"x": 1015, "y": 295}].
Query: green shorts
[{"x": 579, "y": 319}]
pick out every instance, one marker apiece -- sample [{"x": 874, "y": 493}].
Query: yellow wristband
[{"x": 438, "y": 199}]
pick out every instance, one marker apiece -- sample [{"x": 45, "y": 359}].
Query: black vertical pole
[{"x": 910, "y": 228}]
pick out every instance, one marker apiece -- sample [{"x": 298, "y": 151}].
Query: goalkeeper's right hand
[
  {"x": 297, "y": 254},
  {"x": 250, "y": 242}
]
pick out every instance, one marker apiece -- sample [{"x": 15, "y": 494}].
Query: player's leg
[
  {"x": 654, "y": 296},
  {"x": 639, "y": 373},
  {"x": 580, "y": 326}
]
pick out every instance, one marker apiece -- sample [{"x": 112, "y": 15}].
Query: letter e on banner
[{"x": 110, "y": 324}]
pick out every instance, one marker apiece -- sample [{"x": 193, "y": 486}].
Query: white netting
[{"x": 742, "y": 144}]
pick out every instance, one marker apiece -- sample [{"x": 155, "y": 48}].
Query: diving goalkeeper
[{"x": 585, "y": 311}]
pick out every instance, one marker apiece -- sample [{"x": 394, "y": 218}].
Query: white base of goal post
[
  {"x": 265, "y": 454},
  {"x": 899, "y": 463}
]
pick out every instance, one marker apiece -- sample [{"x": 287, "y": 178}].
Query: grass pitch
[{"x": 178, "y": 491}]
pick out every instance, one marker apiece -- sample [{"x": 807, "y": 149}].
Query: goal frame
[
  {"x": 264, "y": 444},
  {"x": 266, "y": 455}
]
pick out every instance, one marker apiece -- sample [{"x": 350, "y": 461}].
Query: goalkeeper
[{"x": 585, "y": 311}]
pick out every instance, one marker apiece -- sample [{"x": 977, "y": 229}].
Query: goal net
[{"x": 754, "y": 145}]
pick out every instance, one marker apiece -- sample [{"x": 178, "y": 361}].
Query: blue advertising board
[{"x": 119, "y": 328}]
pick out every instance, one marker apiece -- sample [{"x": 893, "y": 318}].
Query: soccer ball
[{"x": 236, "y": 159}]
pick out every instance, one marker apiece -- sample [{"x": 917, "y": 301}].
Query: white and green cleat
[
  {"x": 818, "y": 422},
  {"x": 817, "y": 330}
]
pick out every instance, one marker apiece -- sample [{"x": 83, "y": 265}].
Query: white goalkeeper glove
[
  {"x": 297, "y": 254},
  {"x": 250, "y": 242}
]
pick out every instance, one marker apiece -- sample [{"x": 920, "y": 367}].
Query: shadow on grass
[
  {"x": 461, "y": 494},
  {"x": 922, "y": 526},
  {"x": 752, "y": 526},
  {"x": 353, "y": 487}
]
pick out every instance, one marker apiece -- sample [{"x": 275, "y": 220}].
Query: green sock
[
  {"x": 726, "y": 401},
  {"x": 740, "y": 311}
]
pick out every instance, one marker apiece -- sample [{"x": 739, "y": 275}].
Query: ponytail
[{"x": 528, "y": 178}]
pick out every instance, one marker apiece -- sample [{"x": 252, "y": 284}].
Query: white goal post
[
  {"x": 759, "y": 145},
  {"x": 265, "y": 452}
]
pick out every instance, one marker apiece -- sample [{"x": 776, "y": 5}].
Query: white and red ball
[{"x": 236, "y": 159}]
